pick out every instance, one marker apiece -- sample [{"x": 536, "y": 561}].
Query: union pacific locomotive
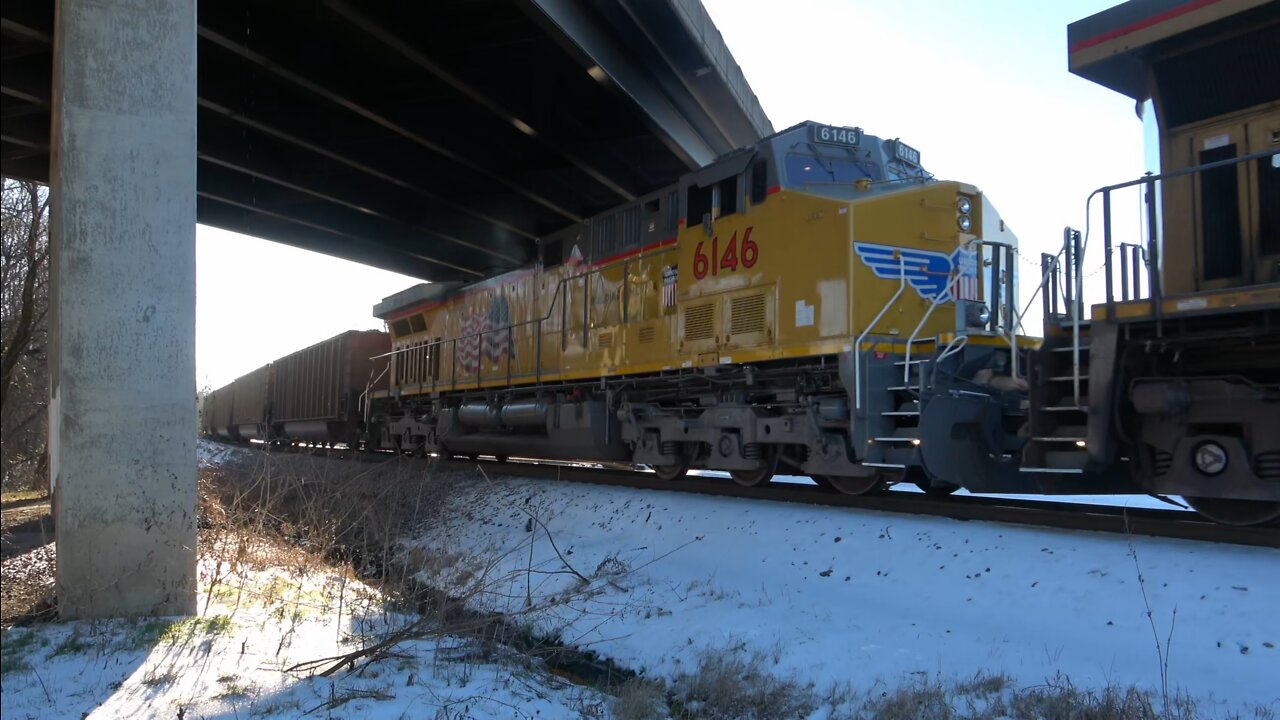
[
  {"x": 818, "y": 303},
  {"x": 795, "y": 303}
]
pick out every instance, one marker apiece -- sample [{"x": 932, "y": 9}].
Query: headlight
[
  {"x": 963, "y": 205},
  {"x": 977, "y": 314},
  {"x": 964, "y": 222}
]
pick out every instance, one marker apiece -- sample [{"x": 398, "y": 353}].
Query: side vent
[
  {"x": 605, "y": 340},
  {"x": 699, "y": 322},
  {"x": 648, "y": 334},
  {"x": 746, "y": 314}
]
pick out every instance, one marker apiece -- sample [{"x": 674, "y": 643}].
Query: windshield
[{"x": 807, "y": 171}]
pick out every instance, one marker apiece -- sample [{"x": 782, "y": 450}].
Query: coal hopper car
[{"x": 316, "y": 396}]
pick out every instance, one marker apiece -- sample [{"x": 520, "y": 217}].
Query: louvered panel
[
  {"x": 699, "y": 322},
  {"x": 747, "y": 314}
]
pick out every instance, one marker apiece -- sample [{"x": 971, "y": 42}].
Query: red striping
[
  {"x": 637, "y": 251},
  {"x": 1183, "y": 9},
  {"x": 774, "y": 189}
]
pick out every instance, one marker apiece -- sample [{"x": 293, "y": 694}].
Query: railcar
[
  {"x": 1173, "y": 380},
  {"x": 317, "y": 393},
  {"x": 314, "y": 395},
  {"x": 1171, "y": 384}
]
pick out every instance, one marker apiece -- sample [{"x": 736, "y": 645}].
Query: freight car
[
  {"x": 316, "y": 397},
  {"x": 313, "y": 395},
  {"x": 215, "y": 414}
]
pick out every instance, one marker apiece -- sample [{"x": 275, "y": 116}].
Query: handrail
[
  {"x": 364, "y": 407},
  {"x": 956, "y": 344},
  {"x": 1153, "y": 250},
  {"x": 555, "y": 298},
  {"x": 1186, "y": 171},
  {"x": 1076, "y": 250},
  {"x": 1013, "y": 324},
  {"x": 1002, "y": 260},
  {"x": 1075, "y": 262},
  {"x": 1131, "y": 254},
  {"x": 937, "y": 300},
  {"x": 857, "y": 345}
]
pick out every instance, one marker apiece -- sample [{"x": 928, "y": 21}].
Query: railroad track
[{"x": 1178, "y": 524}]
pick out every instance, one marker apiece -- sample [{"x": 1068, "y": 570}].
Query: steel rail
[
  {"x": 1175, "y": 524},
  {"x": 1057, "y": 514}
]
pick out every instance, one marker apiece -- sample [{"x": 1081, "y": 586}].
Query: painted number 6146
[{"x": 734, "y": 256}]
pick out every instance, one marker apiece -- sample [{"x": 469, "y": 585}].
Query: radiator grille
[
  {"x": 605, "y": 340},
  {"x": 648, "y": 335},
  {"x": 746, "y": 314},
  {"x": 699, "y": 322}
]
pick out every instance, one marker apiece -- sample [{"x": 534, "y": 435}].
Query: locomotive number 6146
[{"x": 726, "y": 258}]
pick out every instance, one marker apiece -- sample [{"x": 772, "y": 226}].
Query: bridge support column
[{"x": 122, "y": 331}]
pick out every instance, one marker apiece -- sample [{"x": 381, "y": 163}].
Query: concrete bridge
[{"x": 435, "y": 139}]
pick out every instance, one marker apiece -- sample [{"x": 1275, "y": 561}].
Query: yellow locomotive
[
  {"x": 1173, "y": 382},
  {"x": 792, "y": 303}
]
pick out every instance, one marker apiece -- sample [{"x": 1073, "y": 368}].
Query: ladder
[
  {"x": 1059, "y": 415},
  {"x": 895, "y": 431}
]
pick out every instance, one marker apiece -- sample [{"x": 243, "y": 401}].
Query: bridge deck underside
[{"x": 436, "y": 139}]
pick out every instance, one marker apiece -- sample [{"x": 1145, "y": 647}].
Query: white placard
[{"x": 804, "y": 314}]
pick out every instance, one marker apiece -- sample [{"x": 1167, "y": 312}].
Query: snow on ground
[
  {"x": 1125, "y": 501},
  {"x": 835, "y": 595},
  {"x": 231, "y": 661},
  {"x": 213, "y": 454}
]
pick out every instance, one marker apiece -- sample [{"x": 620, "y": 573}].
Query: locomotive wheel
[
  {"x": 823, "y": 481},
  {"x": 667, "y": 473},
  {"x": 758, "y": 476},
  {"x": 936, "y": 490},
  {"x": 849, "y": 485},
  {"x": 1236, "y": 512}
]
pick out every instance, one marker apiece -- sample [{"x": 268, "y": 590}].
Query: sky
[{"x": 980, "y": 88}]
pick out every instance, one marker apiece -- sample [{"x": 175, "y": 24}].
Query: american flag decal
[
  {"x": 669, "y": 275},
  {"x": 494, "y": 345}
]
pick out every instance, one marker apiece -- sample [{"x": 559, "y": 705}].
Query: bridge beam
[{"x": 122, "y": 340}]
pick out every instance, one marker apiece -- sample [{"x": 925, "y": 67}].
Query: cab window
[
  {"x": 698, "y": 204},
  {"x": 759, "y": 182}
]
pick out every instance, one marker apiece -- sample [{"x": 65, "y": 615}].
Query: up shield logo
[{"x": 927, "y": 272}]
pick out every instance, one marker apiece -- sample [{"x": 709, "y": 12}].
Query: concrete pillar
[{"x": 122, "y": 336}]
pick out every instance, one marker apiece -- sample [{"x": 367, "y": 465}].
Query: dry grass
[
  {"x": 641, "y": 699},
  {"x": 306, "y": 514},
  {"x": 729, "y": 684},
  {"x": 22, "y": 496}
]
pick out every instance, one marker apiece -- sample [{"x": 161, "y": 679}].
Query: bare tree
[{"x": 24, "y": 304}]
